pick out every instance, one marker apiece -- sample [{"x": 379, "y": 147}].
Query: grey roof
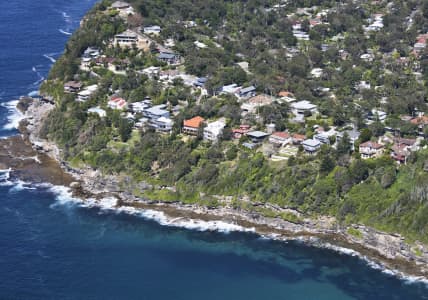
[
  {"x": 247, "y": 89},
  {"x": 165, "y": 55},
  {"x": 249, "y": 145},
  {"x": 257, "y": 134},
  {"x": 157, "y": 111},
  {"x": 311, "y": 143}
]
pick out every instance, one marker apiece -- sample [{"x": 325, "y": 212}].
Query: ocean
[{"x": 52, "y": 247}]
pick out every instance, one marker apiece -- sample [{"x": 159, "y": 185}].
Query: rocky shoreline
[{"x": 33, "y": 159}]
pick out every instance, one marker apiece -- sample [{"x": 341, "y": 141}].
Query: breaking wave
[{"x": 14, "y": 116}]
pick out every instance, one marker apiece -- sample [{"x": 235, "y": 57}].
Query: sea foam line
[
  {"x": 64, "y": 32},
  {"x": 14, "y": 116},
  {"x": 64, "y": 197}
]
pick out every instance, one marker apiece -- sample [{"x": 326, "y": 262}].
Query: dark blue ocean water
[{"x": 52, "y": 249}]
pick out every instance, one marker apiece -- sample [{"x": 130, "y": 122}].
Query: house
[
  {"x": 316, "y": 72},
  {"x": 127, "y": 38},
  {"x": 214, "y": 130},
  {"x": 120, "y": 5},
  {"x": 200, "y": 82},
  {"x": 230, "y": 89},
  {"x": 421, "y": 122},
  {"x": 117, "y": 103},
  {"x": 370, "y": 150},
  {"x": 200, "y": 45},
  {"x": 152, "y": 30},
  {"x": 311, "y": 146},
  {"x": 169, "y": 57},
  {"x": 156, "y": 112},
  {"x": 86, "y": 93},
  {"x": 303, "y": 108},
  {"x": 257, "y": 136},
  {"x": 162, "y": 124},
  {"x": 298, "y": 139},
  {"x": 280, "y": 138},
  {"x": 139, "y": 107},
  {"x": 402, "y": 148},
  {"x": 378, "y": 115},
  {"x": 247, "y": 92},
  {"x": 241, "y": 131},
  {"x": 353, "y": 135},
  {"x": 96, "y": 110},
  {"x": 255, "y": 102},
  {"x": 191, "y": 126},
  {"x": 72, "y": 87},
  {"x": 249, "y": 145},
  {"x": 323, "y": 138},
  {"x": 151, "y": 71},
  {"x": 287, "y": 96}
]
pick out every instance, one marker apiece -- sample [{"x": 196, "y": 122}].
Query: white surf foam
[
  {"x": 64, "y": 197},
  {"x": 193, "y": 224},
  {"x": 14, "y": 116},
  {"x": 40, "y": 76},
  {"x": 50, "y": 57},
  {"x": 4, "y": 177},
  {"x": 64, "y": 32},
  {"x": 19, "y": 186}
]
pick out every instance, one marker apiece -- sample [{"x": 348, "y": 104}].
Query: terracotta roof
[
  {"x": 261, "y": 100},
  {"x": 299, "y": 136},
  {"x": 285, "y": 94},
  {"x": 194, "y": 122},
  {"x": 420, "y": 120},
  {"x": 282, "y": 135},
  {"x": 372, "y": 145}
]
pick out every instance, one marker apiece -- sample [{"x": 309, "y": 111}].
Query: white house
[
  {"x": 117, "y": 103},
  {"x": 86, "y": 93},
  {"x": 96, "y": 110},
  {"x": 214, "y": 130},
  {"x": 156, "y": 30},
  {"x": 162, "y": 124},
  {"x": 311, "y": 146},
  {"x": 303, "y": 107},
  {"x": 127, "y": 38}
]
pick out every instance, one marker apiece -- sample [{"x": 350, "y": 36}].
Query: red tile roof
[
  {"x": 372, "y": 145},
  {"x": 299, "y": 137},
  {"x": 194, "y": 122},
  {"x": 282, "y": 135},
  {"x": 420, "y": 120}
]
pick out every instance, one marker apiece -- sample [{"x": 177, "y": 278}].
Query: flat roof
[{"x": 257, "y": 134}]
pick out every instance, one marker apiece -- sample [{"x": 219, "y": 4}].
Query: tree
[
  {"x": 125, "y": 129},
  {"x": 344, "y": 145},
  {"x": 327, "y": 164}
]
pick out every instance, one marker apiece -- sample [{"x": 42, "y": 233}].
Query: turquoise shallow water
[{"x": 51, "y": 249}]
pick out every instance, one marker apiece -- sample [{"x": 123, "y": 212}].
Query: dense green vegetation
[{"x": 335, "y": 182}]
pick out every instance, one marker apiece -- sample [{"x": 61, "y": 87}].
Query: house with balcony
[
  {"x": 371, "y": 150},
  {"x": 191, "y": 126},
  {"x": 311, "y": 146},
  {"x": 214, "y": 130}
]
